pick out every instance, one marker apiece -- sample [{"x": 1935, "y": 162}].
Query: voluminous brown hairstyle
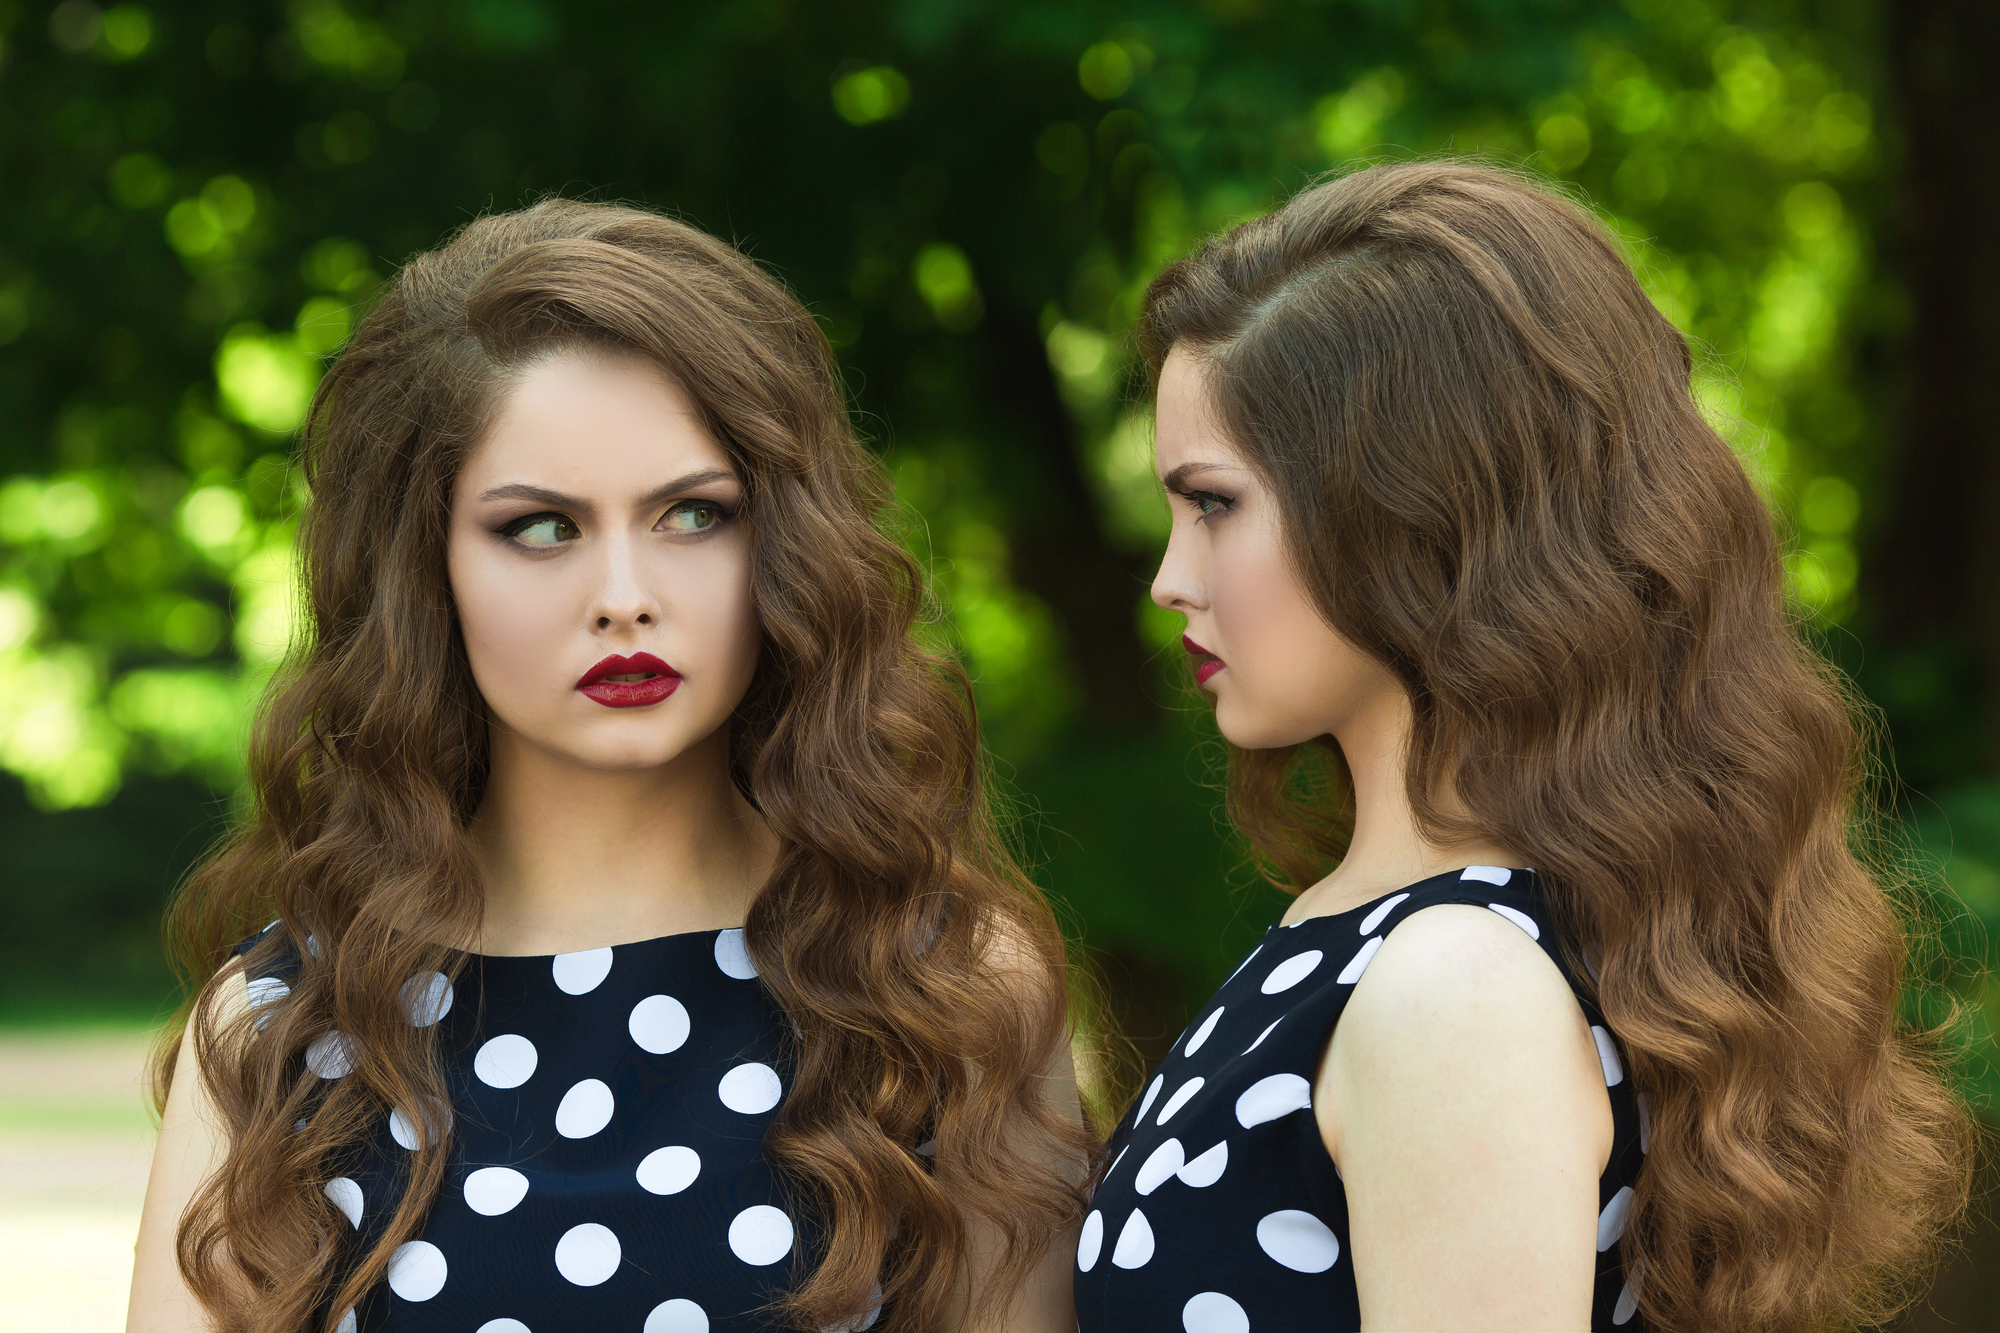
[
  {"x": 922, "y": 973},
  {"x": 1495, "y": 480}
]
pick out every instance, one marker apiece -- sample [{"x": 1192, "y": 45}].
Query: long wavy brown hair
[
  {"x": 923, "y": 974},
  {"x": 1495, "y": 480}
]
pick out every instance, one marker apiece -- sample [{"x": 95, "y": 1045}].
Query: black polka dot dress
[
  {"x": 1221, "y": 1211},
  {"x": 608, "y": 1114}
]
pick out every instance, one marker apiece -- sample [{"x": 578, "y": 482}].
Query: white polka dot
[
  {"x": 1299, "y": 1241},
  {"x": 404, "y": 1130},
  {"x": 1382, "y": 909},
  {"x": 346, "y": 1196},
  {"x": 760, "y": 1235},
  {"x": 1607, "y": 1055},
  {"x": 1213, "y": 1312},
  {"x": 331, "y": 1055},
  {"x": 265, "y": 992},
  {"x": 1611, "y": 1222},
  {"x": 585, "y": 1109},
  {"x": 588, "y": 1255},
  {"x": 1628, "y": 1305},
  {"x": 1260, "y": 1036},
  {"x": 417, "y": 1270},
  {"x": 669, "y": 1170},
  {"x": 1159, "y": 1168},
  {"x": 1487, "y": 874},
  {"x": 1206, "y": 1169},
  {"x": 503, "y": 1326},
  {"x": 312, "y": 945},
  {"x": 1269, "y": 1098},
  {"x": 493, "y": 1190},
  {"x": 659, "y": 1023},
  {"x": 1359, "y": 963},
  {"x": 928, "y": 1148},
  {"x": 1116, "y": 1160},
  {"x": 1291, "y": 972},
  {"x": 1091, "y": 1243},
  {"x": 1135, "y": 1242},
  {"x": 426, "y": 998},
  {"x": 1645, "y": 1123},
  {"x": 750, "y": 1089},
  {"x": 507, "y": 1061},
  {"x": 677, "y": 1316},
  {"x": 1179, "y": 1099},
  {"x": 1245, "y": 963},
  {"x": 732, "y": 955},
  {"x": 1521, "y": 919},
  {"x": 347, "y": 1324},
  {"x": 1146, "y": 1102},
  {"x": 579, "y": 973},
  {"x": 1195, "y": 1042}
]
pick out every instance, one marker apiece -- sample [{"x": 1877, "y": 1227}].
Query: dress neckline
[
  {"x": 711, "y": 933},
  {"x": 1514, "y": 877}
]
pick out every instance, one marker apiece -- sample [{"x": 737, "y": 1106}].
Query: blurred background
[{"x": 200, "y": 199}]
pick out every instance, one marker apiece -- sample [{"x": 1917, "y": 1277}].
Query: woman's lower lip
[
  {"x": 1207, "y": 669},
  {"x": 630, "y": 693}
]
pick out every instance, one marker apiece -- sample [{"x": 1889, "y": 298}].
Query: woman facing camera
[
  {"x": 1592, "y": 1023},
  {"x": 644, "y": 957}
]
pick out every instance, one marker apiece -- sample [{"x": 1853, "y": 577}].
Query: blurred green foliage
[{"x": 971, "y": 195}]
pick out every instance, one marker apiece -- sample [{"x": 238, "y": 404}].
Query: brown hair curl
[
  {"x": 922, "y": 972},
  {"x": 1495, "y": 480}
]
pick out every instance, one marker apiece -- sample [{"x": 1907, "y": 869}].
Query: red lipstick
[
  {"x": 1206, "y": 665},
  {"x": 629, "y": 682}
]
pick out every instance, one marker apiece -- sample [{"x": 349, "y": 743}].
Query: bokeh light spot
[{"x": 868, "y": 95}]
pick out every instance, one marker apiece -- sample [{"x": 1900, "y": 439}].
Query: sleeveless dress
[
  {"x": 607, "y": 1170},
  {"x": 1221, "y": 1211}
]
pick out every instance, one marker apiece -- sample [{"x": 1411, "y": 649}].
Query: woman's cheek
[{"x": 509, "y": 641}]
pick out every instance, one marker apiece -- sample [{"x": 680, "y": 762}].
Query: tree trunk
[
  {"x": 1059, "y": 549},
  {"x": 1934, "y": 570}
]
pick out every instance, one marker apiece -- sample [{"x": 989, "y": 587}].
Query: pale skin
[
  {"x": 1460, "y": 1094},
  {"x": 597, "y": 517}
]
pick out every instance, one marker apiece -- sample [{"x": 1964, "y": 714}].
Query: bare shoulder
[
  {"x": 191, "y": 1147},
  {"x": 1462, "y": 1098},
  {"x": 1461, "y": 1013},
  {"x": 1468, "y": 966}
]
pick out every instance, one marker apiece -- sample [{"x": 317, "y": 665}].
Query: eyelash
[
  {"x": 1207, "y": 503},
  {"x": 512, "y": 531}
]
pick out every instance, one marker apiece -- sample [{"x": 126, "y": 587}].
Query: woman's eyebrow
[
  {"x": 1177, "y": 479},
  {"x": 687, "y": 483},
  {"x": 557, "y": 500}
]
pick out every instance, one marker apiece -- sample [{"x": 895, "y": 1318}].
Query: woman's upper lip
[
  {"x": 1194, "y": 648},
  {"x": 636, "y": 664}
]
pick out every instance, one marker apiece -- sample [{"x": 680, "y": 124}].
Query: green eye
[
  {"x": 543, "y": 530},
  {"x": 692, "y": 516}
]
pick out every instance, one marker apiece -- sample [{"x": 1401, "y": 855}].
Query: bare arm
[
  {"x": 1044, "y": 1301},
  {"x": 1463, "y": 1099},
  {"x": 190, "y": 1149}
]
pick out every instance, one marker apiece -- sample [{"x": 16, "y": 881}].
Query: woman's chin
[{"x": 1248, "y": 728}]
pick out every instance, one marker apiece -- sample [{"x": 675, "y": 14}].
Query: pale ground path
[{"x": 76, "y": 1135}]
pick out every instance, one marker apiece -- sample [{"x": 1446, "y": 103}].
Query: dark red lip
[
  {"x": 657, "y": 681},
  {"x": 1208, "y": 663}
]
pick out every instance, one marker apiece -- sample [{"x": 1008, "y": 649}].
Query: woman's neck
[
  {"x": 1390, "y": 848},
  {"x": 574, "y": 857}
]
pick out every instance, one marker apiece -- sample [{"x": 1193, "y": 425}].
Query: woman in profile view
[
  {"x": 644, "y": 958},
  {"x": 1592, "y": 1022}
]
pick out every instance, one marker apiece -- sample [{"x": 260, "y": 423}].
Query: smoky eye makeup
[
  {"x": 1206, "y": 503},
  {"x": 694, "y": 517},
  {"x": 540, "y": 532}
]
